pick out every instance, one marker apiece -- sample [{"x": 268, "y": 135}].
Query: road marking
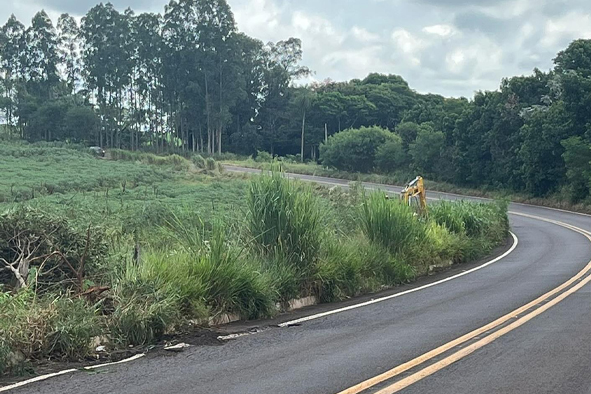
[
  {"x": 360, "y": 305},
  {"x": 36, "y": 379},
  {"x": 394, "y": 388},
  {"x": 52, "y": 375},
  {"x": 477, "y": 345}
]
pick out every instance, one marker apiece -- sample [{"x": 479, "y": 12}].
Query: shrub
[
  {"x": 210, "y": 164},
  {"x": 390, "y": 156},
  {"x": 426, "y": 150},
  {"x": 476, "y": 227},
  {"x": 199, "y": 161},
  {"x": 58, "y": 252},
  {"x": 391, "y": 223},
  {"x": 179, "y": 163},
  {"x": 199, "y": 278},
  {"x": 284, "y": 217},
  {"x": 263, "y": 157},
  {"x": 73, "y": 326},
  {"x": 355, "y": 149},
  {"x": 472, "y": 219}
]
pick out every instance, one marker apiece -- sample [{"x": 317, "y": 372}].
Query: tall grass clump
[
  {"x": 40, "y": 327},
  {"x": 391, "y": 223},
  {"x": 195, "y": 279},
  {"x": 284, "y": 218},
  {"x": 480, "y": 226},
  {"x": 351, "y": 266}
]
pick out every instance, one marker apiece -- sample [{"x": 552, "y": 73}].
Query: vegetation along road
[{"x": 517, "y": 325}]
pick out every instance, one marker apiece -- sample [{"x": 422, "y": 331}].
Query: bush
[
  {"x": 199, "y": 162},
  {"x": 263, "y": 157},
  {"x": 472, "y": 219},
  {"x": 210, "y": 164},
  {"x": 167, "y": 288},
  {"x": 284, "y": 218},
  {"x": 355, "y": 149},
  {"x": 390, "y": 156},
  {"x": 179, "y": 163},
  {"x": 145, "y": 308},
  {"x": 426, "y": 150},
  {"x": 476, "y": 227},
  {"x": 50, "y": 246}
]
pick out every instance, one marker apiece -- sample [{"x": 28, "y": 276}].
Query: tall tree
[
  {"x": 12, "y": 47},
  {"x": 42, "y": 56},
  {"x": 69, "y": 50}
]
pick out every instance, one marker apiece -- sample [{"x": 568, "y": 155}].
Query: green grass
[
  {"x": 285, "y": 218},
  {"x": 391, "y": 223},
  {"x": 557, "y": 200},
  {"x": 185, "y": 241},
  {"x": 31, "y": 171}
]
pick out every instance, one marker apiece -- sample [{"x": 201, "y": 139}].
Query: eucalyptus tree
[
  {"x": 148, "y": 79},
  {"x": 108, "y": 65},
  {"x": 10, "y": 63},
  {"x": 181, "y": 82},
  {"x": 69, "y": 50},
  {"x": 42, "y": 57}
]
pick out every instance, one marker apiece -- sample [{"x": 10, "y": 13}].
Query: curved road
[{"x": 436, "y": 340}]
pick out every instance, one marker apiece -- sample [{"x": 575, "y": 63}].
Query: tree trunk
[
  {"x": 303, "y": 129},
  {"x": 207, "y": 111}
]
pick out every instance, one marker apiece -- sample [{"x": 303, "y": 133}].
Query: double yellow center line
[{"x": 559, "y": 294}]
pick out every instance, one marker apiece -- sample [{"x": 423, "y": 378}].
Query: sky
[{"x": 448, "y": 47}]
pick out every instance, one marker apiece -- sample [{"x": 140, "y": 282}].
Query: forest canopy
[{"x": 188, "y": 80}]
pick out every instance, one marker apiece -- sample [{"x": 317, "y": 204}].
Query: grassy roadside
[
  {"x": 128, "y": 261},
  {"x": 553, "y": 201}
]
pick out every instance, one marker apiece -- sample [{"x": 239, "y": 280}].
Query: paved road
[{"x": 550, "y": 353}]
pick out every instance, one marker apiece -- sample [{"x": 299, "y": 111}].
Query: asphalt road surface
[{"x": 466, "y": 335}]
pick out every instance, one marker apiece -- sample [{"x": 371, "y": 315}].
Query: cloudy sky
[{"x": 450, "y": 47}]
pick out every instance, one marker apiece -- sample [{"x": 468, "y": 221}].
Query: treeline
[
  {"x": 187, "y": 80},
  {"x": 532, "y": 135}
]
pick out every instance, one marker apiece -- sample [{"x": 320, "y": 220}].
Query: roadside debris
[{"x": 177, "y": 348}]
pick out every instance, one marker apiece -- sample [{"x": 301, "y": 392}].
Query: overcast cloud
[{"x": 450, "y": 47}]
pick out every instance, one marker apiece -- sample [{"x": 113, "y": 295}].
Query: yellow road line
[
  {"x": 394, "y": 388},
  {"x": 450, "y": 345}
]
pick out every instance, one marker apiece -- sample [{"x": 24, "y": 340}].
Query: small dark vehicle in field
[{"x": 97, "y": 151}]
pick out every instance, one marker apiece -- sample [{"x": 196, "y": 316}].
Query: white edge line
[
  {"x": 347, "y": 308},
  {"x": 52, "y": 375},
  {"x": 132, "y": 358},
  {"x": 36, "y": 379}
]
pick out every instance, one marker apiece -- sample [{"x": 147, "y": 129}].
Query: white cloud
[
  {"x": 572, "y": 24},
  {"x": 440, "y": 30},
  {"x": 362, "y": 35},
  {"x": 451, "y": 47}
]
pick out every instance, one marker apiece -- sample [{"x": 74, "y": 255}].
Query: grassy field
[{"x": 136, "y": 246}]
